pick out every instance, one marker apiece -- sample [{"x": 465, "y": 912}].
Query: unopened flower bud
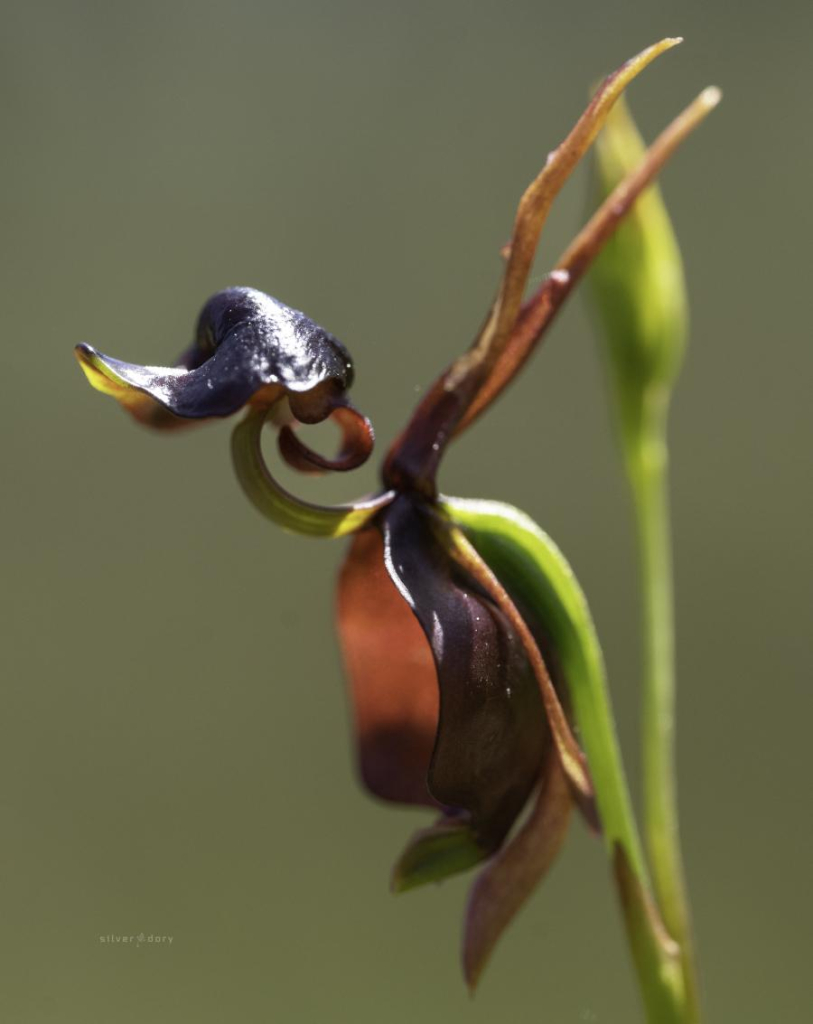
[{"x": 637, "y": 280}]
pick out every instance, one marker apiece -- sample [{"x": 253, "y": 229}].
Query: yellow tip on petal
[
  {"x": 140, "y": 405},
  {"x": 99, "y": 375}
]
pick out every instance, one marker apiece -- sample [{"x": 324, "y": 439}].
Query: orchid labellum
[{"x": 475, "y": 673}]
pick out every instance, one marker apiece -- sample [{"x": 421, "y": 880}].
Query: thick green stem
[{"x": 647, "y": 464}]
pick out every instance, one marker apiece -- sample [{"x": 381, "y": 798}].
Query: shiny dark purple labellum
[{"x": 247, "y": 344}]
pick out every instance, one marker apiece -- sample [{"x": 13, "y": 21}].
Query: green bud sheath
[{"x": 637, "y": 280}]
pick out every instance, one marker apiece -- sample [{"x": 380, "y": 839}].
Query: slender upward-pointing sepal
[
  {"x": 538, "y": 198},
  {"x": 474, "y": 379}
]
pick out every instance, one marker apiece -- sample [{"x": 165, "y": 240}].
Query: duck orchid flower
[
  {"x": 249, "y": 350},
  {"x": 475, "y": 674}
]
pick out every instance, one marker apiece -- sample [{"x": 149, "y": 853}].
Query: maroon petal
[
  {"x": 358, "y": 439},
  {"x": 492, "y": 732},
  {"x": 392, "y": 676}
]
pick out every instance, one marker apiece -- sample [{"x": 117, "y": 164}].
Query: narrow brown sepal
[
  {"x": 512, "y": 874},
  {"x": 539, "y": 310},
  {"x": 415, "y": 454}
]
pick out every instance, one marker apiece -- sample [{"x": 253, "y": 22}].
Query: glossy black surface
[
  {"x": 245, "y": 341},
  {"x": 492, "y": 732}
]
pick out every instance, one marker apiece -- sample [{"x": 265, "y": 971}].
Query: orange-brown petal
[{"x": 392, "y": 677}]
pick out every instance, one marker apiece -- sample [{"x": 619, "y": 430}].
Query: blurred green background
[{"x": 174, "y": 741}]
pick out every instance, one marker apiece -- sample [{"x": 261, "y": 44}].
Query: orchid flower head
[
  {"x": 467, "y": 669},
  {"x": 249, "y": 349}
]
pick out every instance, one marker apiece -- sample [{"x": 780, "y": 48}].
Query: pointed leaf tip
[{"x": 433, "y": 854}]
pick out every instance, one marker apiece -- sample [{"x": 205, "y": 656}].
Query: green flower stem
[{"x": 647, "y": 466}]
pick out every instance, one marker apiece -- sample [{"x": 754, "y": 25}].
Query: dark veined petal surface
[{"x": 492, "y": 732}]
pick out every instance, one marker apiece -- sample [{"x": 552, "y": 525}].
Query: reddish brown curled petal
[
  {"x": 358, "y": 439},
  {"x": 393, "y": 683},
  {"x": 512, "y": 874}
]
